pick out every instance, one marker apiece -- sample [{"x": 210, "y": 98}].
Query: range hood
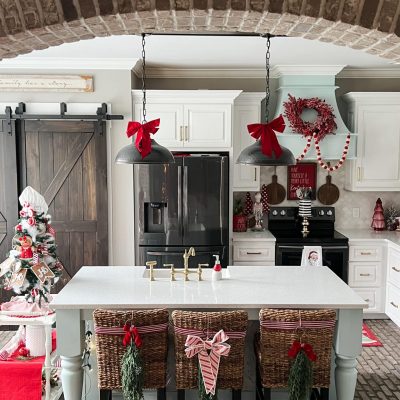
[{"x": 306, "y": 82}]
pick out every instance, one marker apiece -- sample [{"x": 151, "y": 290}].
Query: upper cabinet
[
  {"x": 247, "y": 110},
  {"x": 375, "y": 117},
  {"x": 190, "y": 119}
]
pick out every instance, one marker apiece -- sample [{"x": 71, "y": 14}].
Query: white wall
[{"x": 112, "y": 87}]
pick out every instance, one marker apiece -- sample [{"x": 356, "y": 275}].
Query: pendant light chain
[
  {"x": 267, "y": 89},
  {"x": 144, "y": 77}
]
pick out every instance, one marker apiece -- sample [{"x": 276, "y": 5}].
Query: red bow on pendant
[
  {"x": 307, "y": 348},
  {"x": 131, "y": 332},
  {"x": 269, "y": 142},
  {"x": 142, "y": 131}
]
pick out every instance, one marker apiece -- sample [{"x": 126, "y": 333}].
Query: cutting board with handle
[
  {"x": 328, "y": 193},
  {"x": 276, "y": 192}
]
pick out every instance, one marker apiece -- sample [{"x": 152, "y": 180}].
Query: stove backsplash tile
[{"x": 365, "y": 201}]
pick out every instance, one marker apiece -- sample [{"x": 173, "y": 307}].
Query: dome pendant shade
[
  {"x": 253, "y": 155},
  {"x": 130, "y": 155}
]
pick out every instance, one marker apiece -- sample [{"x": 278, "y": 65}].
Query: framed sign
[
  {"x": 301, "y": 175},
  {"x": 56, "y": 83}
]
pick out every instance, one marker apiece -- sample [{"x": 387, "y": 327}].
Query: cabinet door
[
  {"x": 171, "y": 129},
  {"x": 378, "y": 163},
  {"x": 245, "y": 177},
  {"x": 208, "y": 126}
]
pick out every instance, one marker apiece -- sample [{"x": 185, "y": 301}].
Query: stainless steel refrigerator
[{"x": 182, "y": 205}]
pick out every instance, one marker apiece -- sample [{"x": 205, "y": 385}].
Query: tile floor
[{"x": 379, "y": 367}]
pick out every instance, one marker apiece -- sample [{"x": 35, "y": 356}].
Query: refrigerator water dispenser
[{"x": 154, "y": 217}]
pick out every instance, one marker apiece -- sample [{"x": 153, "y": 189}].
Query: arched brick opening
[{"x": 369, "y": 25}]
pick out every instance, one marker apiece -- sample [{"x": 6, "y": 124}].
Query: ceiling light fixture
[
  {"x": 266, "y": 150},
  {"x": 144, "y": 150}
]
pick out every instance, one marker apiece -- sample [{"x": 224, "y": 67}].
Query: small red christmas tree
[
  {"x": 264, "y": 199},
  {"x": 378, "y": 219},
  {"x": 248, "y": 205}
]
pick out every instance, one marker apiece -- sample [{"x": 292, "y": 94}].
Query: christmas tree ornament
[
  {"x": 301, "y": 371},
  {"x": 209, "y": 353},
  {"x": 132, "y": 364},
  {"x": 378, "y": 219},
  {"x": 32, "y": 266}
]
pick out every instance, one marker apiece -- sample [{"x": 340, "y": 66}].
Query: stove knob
[
  {"x": 274, "y": 212},
  {"x": 329, "y": 212},
  {"x": 321, "y": 212},
  {"x": 283, "y": 212}
]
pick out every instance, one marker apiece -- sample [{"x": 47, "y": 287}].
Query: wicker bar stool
[
  {"x": 203, "y": 324},
  {"x": 278, "y": 329},
  {"x": 153, "y": 329}
]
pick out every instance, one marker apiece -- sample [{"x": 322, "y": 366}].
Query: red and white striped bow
[{"x": 209, "y": 361}]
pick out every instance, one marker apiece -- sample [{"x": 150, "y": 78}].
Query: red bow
[
  {"x": 307, "y": 348},
  {"x": 269, "y": 142},
  {"x": 143, "y": 141},
  {"x": 131, "y": 333}
]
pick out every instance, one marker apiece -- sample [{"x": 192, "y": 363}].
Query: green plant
[{"x": 238, "y": 208}]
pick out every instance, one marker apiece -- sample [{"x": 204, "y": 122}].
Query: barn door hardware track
[{"x": 19, "y": 115}]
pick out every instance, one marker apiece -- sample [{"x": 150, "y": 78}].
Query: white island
[{"x": 247, "y": 288}]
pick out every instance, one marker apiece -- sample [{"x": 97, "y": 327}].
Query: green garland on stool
[
  {"x": 301, "y": 372},
  {"x": 132, "y": 365},
  {"x": 202, "y": 389}
]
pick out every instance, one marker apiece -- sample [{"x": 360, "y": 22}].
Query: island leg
[
  {"x": 70, "y": 338},
  {"x": 347, "y": 344}
]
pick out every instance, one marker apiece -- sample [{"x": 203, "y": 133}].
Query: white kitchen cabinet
[
  {"x": 367, "y": 273},
  {"x": 393, "y": 285},
  {"x": 376, "y": 119},
  {"x": 189, "y": 119},
  {"x": 247, "y": 110}
]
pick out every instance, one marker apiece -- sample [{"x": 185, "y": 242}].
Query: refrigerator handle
[
  {"x": 180, "y": 224},
  {"x": 222, "y": 199},
  {"x": 185, "y": 200}
]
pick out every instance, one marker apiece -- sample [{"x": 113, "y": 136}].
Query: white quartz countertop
[
  {"x": 264, "y": 236},
  {"x": 246, "y": 288},
  {"x": 371, "y": 235}
]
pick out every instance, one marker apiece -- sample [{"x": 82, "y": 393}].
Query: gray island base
[{"x": 245, "y": 287}]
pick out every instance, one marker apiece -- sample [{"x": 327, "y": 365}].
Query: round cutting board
[
  {"x": 276, "y": 192},
  {"x": 328, "y": 193}
]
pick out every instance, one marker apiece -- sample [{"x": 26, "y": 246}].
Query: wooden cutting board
[
  {"x": 276, "y": 192},
  {"x": 328, "y": 193}
]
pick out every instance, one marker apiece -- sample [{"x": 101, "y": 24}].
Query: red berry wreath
[{"x": 323, "y": 125}]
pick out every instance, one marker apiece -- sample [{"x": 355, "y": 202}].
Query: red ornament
[
  {"x": 143, "y": 131},
  {"x": 378, "y": 219},
  {"x": 18, "y": 228},
  {"x": 31, "y": 221}
]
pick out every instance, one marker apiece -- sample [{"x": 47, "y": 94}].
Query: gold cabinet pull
[
  {"x": 395, "y": 269},
  {"x": 255, "y": 174},
  {"x": 366, "y": 253},
  {"x": 253, "y": 252},
  {"x": 359, "y": 174},
  {"x": 394, "y": 305},
  {"x": 365, "y": 274},
  {"x": 181, "y": 133}
]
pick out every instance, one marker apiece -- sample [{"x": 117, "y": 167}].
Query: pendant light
[
  {"x": 144, "y": 150},
  {"x": 266, "y": 150}
]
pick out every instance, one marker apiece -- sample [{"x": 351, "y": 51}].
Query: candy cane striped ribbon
[
  {"x": 116, "y": 330},
  {"x": 292, "y": 325},
  {"x": 4, "y": 355},
  {"x": 203, "y": 333},
  {"x": 209, "y": 362}
]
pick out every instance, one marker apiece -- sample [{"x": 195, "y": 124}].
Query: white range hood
[{"x": 306, "y": 82}]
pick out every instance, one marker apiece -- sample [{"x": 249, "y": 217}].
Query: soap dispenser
[{"x": 217, "y": 270}]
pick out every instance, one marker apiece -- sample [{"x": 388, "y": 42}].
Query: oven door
[{"x": 335, "y": 257}]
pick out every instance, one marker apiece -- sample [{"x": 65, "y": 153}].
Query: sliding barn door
[
  {"x": 8, "y": 193},
  {"x": 66, "y": 161}
]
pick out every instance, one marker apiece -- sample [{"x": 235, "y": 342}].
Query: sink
[{"x": 163, "y": 274}]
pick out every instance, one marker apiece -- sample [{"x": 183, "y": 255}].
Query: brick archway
[{"x": 369, "y": 25}]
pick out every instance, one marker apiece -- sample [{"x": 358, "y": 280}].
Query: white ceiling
[{"x": 203, "y": 52}]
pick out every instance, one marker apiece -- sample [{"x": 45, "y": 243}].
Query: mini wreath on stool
[{"x": 323, "y": 125}]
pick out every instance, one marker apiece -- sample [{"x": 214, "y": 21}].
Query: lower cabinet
[
  {"x": 367, "y": 273},
  {"x": 393, "y": 303},
  {"x": 261, "y": 253}
]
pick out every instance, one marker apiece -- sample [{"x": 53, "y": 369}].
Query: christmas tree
[
  {"x": 378, "y": 219},
  {"x": 32, "y": 266}
]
